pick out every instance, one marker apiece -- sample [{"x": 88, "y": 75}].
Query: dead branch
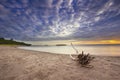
[
  {"x": 75, "y": 49},
  {"x": 83, "y": 59}
]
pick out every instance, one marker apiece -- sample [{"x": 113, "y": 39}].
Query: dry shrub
[{"x": 84, "y": 59}]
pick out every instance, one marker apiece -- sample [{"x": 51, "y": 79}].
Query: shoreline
[
  {"x": 65, "y": 53},
  {"x": 20, "y": 64}
]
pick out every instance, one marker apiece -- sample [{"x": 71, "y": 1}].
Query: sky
[{"x": 48, "y": 20}]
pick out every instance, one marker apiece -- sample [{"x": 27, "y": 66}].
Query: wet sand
[{"x": 18, "y": 64}]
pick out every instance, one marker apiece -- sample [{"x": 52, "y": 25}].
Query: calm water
[{"x": 95, "y": 50}]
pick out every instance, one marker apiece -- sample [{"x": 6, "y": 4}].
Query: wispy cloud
[{"x": 59, "y": 19}]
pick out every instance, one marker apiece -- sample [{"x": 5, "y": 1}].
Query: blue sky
[{"x": 40, "y": 20}]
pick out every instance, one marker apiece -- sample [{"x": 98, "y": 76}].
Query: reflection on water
[{"x": 94, "y": 50}]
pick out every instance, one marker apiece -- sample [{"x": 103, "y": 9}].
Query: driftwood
[{"x": 83, "y": 59}]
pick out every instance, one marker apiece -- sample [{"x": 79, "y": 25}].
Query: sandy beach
[{"x": 18, "y": 64}]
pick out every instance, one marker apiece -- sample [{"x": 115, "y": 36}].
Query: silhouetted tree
[
  {"x": 2, "y": 38},
  {"x": 11, "y": 39}
]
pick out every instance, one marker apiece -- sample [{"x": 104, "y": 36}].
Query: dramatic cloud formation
[{"x": 60, "y": 19}]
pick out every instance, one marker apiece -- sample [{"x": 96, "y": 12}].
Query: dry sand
[{"x": 18, "y": 64}]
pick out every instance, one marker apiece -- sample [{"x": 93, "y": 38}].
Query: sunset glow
[{"x": 98, "y": 42}]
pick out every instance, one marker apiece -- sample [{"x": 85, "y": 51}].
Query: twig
[
  {"x": 75, "y": 49},
  {"x": 73, "y": 58}
]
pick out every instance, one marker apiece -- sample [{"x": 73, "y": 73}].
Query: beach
[{"x": 19, "y": 64}]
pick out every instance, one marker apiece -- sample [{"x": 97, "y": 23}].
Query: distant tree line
[{"x": 12, "y": 42}]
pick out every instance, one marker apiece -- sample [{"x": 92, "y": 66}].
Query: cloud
[
  {"x": 59, "y": 19},
  {"x": 3, "y": 10},
  {"x": 105, "y": 7}
]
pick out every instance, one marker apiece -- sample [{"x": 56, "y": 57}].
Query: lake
[{"x": 103, "y": 50}]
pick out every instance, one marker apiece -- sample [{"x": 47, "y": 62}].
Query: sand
[{"x": 18, "y": 64}]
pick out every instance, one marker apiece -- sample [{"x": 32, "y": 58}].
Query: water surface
[{"x": 113, "y": 50}]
